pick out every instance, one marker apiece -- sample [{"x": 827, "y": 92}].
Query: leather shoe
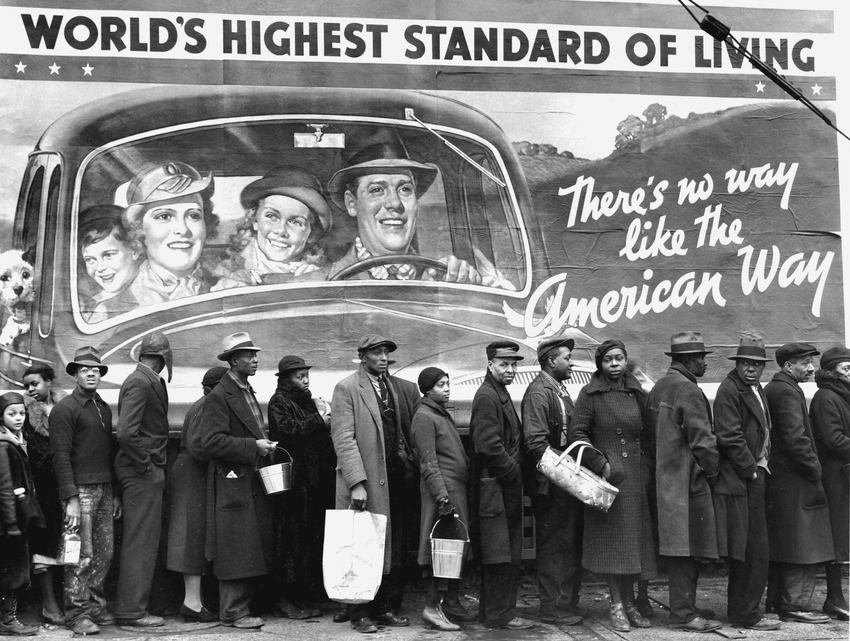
[
  {"x": 704, "y": 613},
  {"x": 59, "y": 619},
  {"x": 697, "y": 624},
  {"x": 619, "y": 620},
  {"x": 828, "y": 608},
  {"x": 341, "y": 616},
  {"x": 104, "y": 618},
  {"x": 518, "y": 623},
  {"x": 801, "y": 616},
  {"x": 645, "y": 608},
  {"x": 147, "y": 621},
  {"x": 392, "y": 619},
  {"x": 457, "y": 611},
  {"x": 434, "y": 619},
  {"x": 245, "y": 623},
  {"x": 364, "y": 625},
  {"x": 635, "y": 617},
  {"x": 561, "y": 618},
  {"x": 573, "y": 608},
  {"x": 289, "y": 610},
  {"x": 84, "y": 626},
  {"x": 764, "y": 624},
  {"x": 202, "y": 616}
]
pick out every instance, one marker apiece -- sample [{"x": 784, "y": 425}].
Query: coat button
[
  {"x": 382, "y": 481},
  {"x": 619, "y": 431},
  {"x": 623, "y": 441},
  {"x": 625, "y": 455}
]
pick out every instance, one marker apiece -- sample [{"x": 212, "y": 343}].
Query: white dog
[{"x": 17, "y": 290}]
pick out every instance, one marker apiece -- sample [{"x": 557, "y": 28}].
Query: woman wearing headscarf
[
  {"x": 443, "y": 466},
  {"x": 187, "y": 497},
  {"x": 830, "y": 414},
  {"x": 618, "y": 544}
]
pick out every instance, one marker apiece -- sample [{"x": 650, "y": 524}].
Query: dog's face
[{"x": 17, "y": 285}]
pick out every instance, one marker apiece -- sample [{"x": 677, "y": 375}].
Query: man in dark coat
[
  {"x": 797, "y": 512},
  {"x": 372, "y": 413},
  {"x": 546, "y": 410},
  {"x": 742, "y": 428},
  {"x": 239, "y": 525},
  {"x": 686, "y": 465},
  {"x": 495, "y": 476},
  {"x": 140, "y": 468}
]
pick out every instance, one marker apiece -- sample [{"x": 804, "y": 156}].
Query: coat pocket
[
  {"x": 698, "y": 484},
  {"x": 812, "y": 496},
  {"x": 492, "y": 502},
  {"x": 232, "y": 489}
]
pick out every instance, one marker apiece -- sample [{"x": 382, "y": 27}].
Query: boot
[{"x": 9, "y": 624}]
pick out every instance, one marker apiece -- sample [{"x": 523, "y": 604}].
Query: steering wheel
[{"x": 421, "y": 263}]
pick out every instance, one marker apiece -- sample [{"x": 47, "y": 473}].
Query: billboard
[{"x": 446, "y": 175}]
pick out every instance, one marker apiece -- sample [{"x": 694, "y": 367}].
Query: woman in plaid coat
[{"x": 617, "y": 544}]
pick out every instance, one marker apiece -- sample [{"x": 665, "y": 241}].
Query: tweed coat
[
  {"x": 239, "y": 521},
  {"x": 187, "y": 499},
  {"x": 142, "y": 421},
  {"x": 358, "y": 438},
  {"x": 797, "y": 512},
  {"x": 686, "y": 465},
  {"x": 496, "y": 471},
  {"x": 830, "y": 414},
  {"x": 542, "y": 424},
  {"x": 612, "y": 420},
  {"x": 443, "y": 467},
  {"x": 25, "y": 515},
  {"x": 741, "y": 427}
]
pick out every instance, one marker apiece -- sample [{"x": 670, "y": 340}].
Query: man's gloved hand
[{"x": 445, "y": 507}]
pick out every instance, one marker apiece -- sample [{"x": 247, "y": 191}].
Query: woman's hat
[
  {"x": 383, "y": 158},
  {"x": 235, "y": 343},
  {"x": 86, "y": 357},
  {"x": 428, "y": 377},
  {"x": 162, "y": 182},
  {"x": 834, "y": 355},
  {"x": 604, "y": 348},
  {"x": 751, "y": 349},
  {"x": 10, "y": 398},
  {"x": 289, "y": 363},
  {"x": 293, "y": 182}
]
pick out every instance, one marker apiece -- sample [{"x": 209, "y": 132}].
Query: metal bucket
[
  {"x": 448, "y": 554},
  {"x": 277, "y": 478}
]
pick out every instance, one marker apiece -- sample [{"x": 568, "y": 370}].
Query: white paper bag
[{"x": 353, "y": 555}]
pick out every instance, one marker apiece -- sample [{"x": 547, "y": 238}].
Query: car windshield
[{"x": 210, "y": 209}]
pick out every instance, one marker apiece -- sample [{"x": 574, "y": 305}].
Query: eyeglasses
[{"x": 88, "y": 370}]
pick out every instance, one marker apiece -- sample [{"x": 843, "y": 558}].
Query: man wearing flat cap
[
  {"x": 235, "y": 439},
  {"x": 742, "y": 428},
  {"x": 798, "y": 523},
  {"x": 495, "y": 476},
  {"x": 380, "y": 186},
  {"x": 372, "y": 413},
  {"x": 140, "y": 467},
  {"x": 81, "y": 445},
  {"x": 686, "y": 466},
  {"x": 546, "y": 411}
]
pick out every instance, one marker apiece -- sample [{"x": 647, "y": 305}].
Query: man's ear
[{"x": 350, "y": 204}]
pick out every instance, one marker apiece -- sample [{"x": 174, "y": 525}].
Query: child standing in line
[{"x": 19, "y": 514}]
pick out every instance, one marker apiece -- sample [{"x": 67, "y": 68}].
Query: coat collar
[
  {"x": 681, "y": 369},
  {"x": 236, "y": 399},
  {"x": 156, "y": 381},
  {"x": 367, "y": 393},
  {"x": 829, "y": 380},
  {"x": 599, "y": 384},
  {"x": 436, "y": 408},
  {"x": 782, "y": 377},
  {"x": 499, "y": 388},
  {"x": 746, "y": 393}
]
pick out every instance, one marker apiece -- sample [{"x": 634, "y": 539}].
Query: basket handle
[
  {"x": 584, "y": 445},
  {"x": 456, "y": 516}
]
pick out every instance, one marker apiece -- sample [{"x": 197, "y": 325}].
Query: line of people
[{"x": 761, "y": 484}]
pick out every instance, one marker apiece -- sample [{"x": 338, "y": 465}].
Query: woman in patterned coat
[{"x": 618, "y": 545}]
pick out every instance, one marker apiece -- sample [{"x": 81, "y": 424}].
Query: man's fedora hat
[
  {"x": 549, "y": 344},
  {"x": 687, "y": 343},
  {"x": 506, "y": 350},
  {"x": 751, "y": 349},
  {"x": 293, "y": 182},
  {"x": 383, "y": 158},
  {"x": 289, "y": 363},
  {"x": 162, "y": 182},
  {"x": 236, "y": 343},
  {"x": 374, "y": 340},
  {"x": 86, "y": 357}
]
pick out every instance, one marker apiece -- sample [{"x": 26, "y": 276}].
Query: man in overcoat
[
  {"x": 372, "y": 413},
  {"x": 686, "y": 465},
  {"x": 798, "y": 523},
  {"x": 742, "y": 428},
  {"x": 495, "y": 477},
  {"x": 140, "y": 468},
  {"x": 546, "y": 411},
  {"x": 239, "y": 521}
]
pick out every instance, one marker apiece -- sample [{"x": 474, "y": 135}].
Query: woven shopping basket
[{"x": 570, "y": 475}]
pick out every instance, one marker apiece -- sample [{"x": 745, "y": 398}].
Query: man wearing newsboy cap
[
  {"x": 742, "y": 428},
  {"x": 798, "y": 522},
  {"x": 495, "y": 477},
  {"x": 235, "y": 439},
  {"x": 372, "y": 413},
  {"x": 686, "y": 466},
  {"x": 82, "y": 449},
  {"x": 546, "y": 411}
]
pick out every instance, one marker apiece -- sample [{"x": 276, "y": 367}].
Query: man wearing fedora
[
  {"x": 239, "y": 534},
  {"x": 742, "y": 429},
  {"x": 798, "y": 524},
  {"x": 81, "y": 446},
  {"x": 140, "y": 468},
  {"x": 372, "y": 413},
  {"x": 686, "y": 466},
  {"x": 381, "y": 186},
  {"x": 546, "y": 411},
  {"x": 495, "y": 493}
]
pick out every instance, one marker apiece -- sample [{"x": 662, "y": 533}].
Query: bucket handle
[
  {"x": 277, "y": 447},
  {"x": 455, "y": 515}
]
